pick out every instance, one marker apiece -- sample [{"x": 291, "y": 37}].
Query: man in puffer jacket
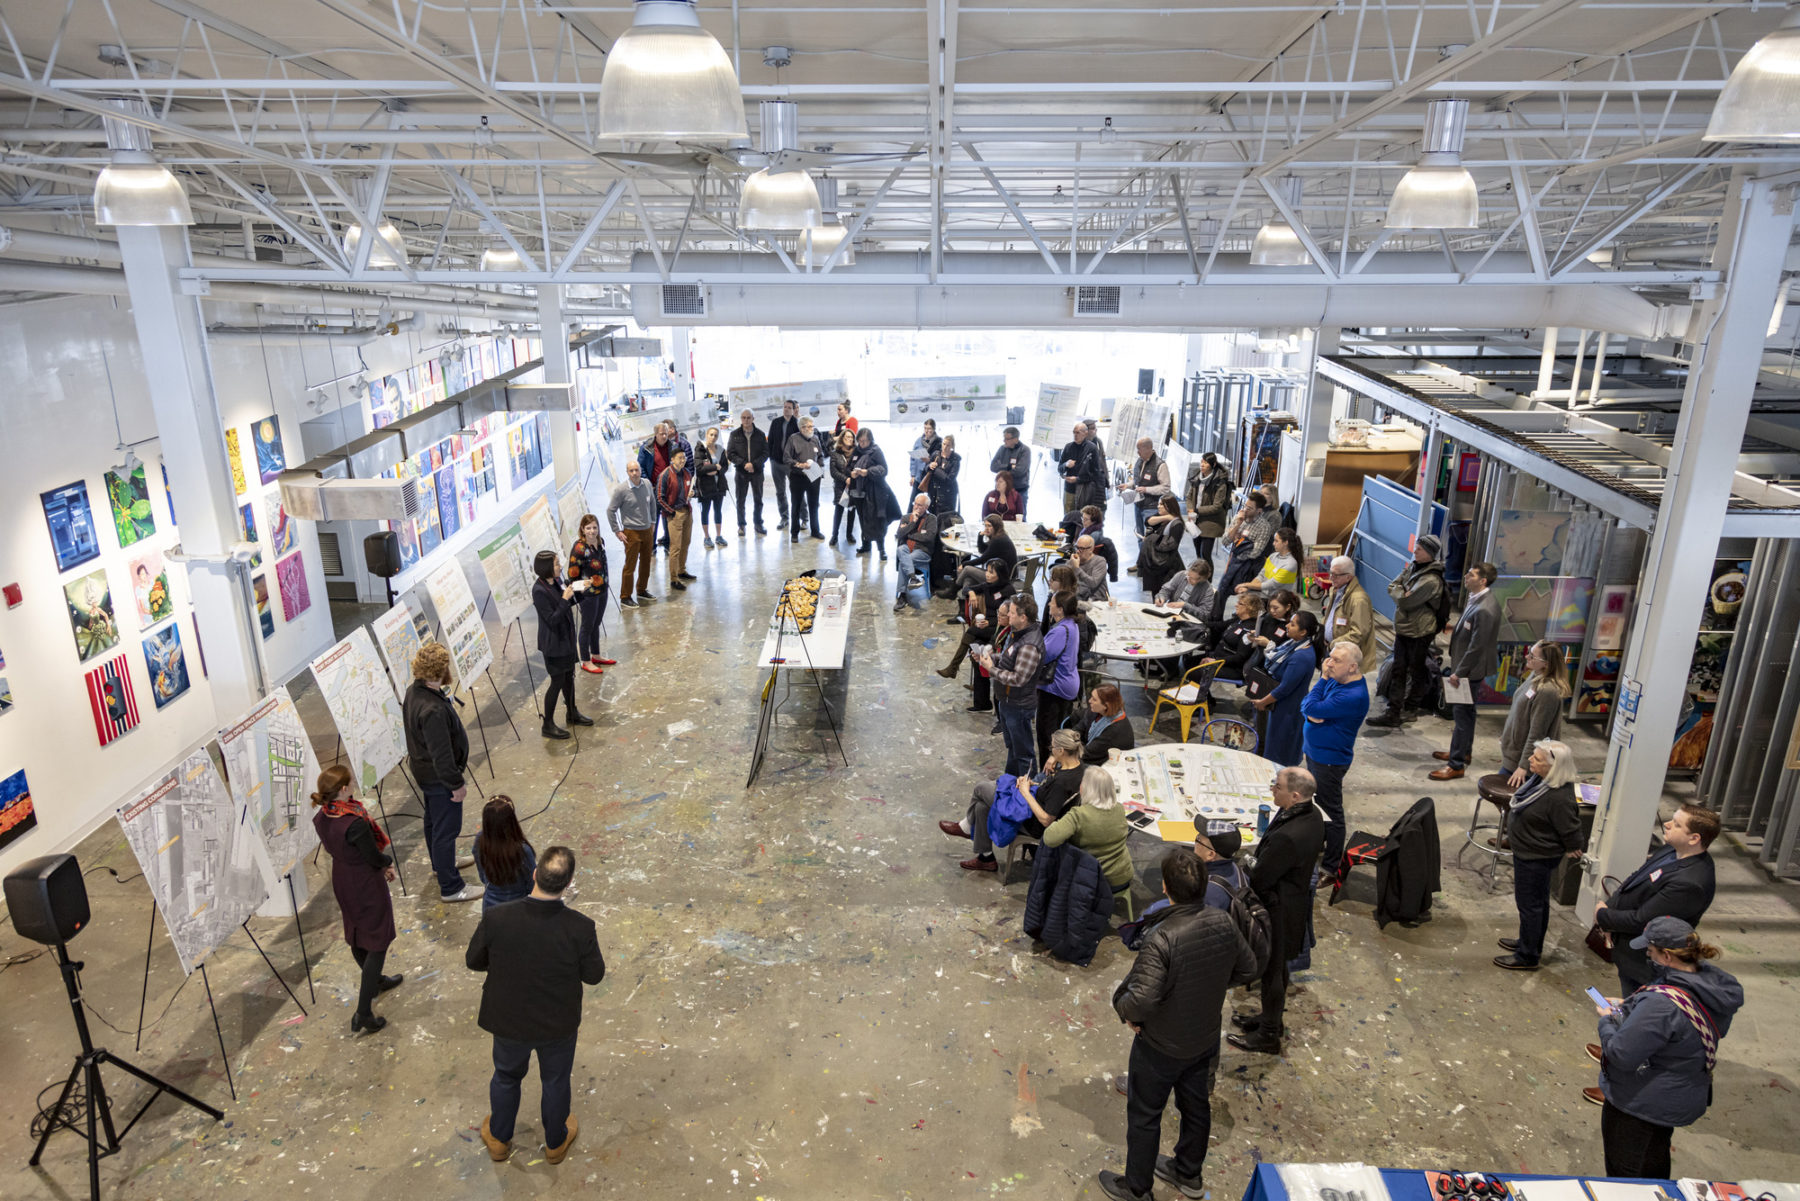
[
  {"x": 1415, "y": 595},
  {"x": 1173, "y": 999}
]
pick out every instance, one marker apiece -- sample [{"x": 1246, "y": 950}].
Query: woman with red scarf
[{"x": 361, "y": 866}]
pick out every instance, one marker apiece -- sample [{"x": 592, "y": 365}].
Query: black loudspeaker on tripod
[
  {"x": 49, "y": 904},
  {"x": 381, "y": 554}
]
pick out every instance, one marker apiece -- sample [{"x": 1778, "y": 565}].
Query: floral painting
[
  {"x": 130, "y": 497},
  {"x": 150, "y": 589}
]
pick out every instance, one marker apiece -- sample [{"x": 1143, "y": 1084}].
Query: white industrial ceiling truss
[{"x": 1056, "y": 143}]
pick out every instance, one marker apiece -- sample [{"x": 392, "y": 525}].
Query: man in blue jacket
[{"x": 1334, "y": 712}]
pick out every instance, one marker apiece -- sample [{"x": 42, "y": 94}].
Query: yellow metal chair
[{"x": 1201, "y": 678}]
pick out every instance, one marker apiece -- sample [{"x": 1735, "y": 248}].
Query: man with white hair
[
  {"x": 914, "y": 539},
  {"x": 1349, "y": 614},
  {"x": 1150, "y": 480},
  {"x": 747, "y": 450},
  {"x": 1334, "y": 712},
  {"x": 1090, "y": 571},
  {"x": 1282, "y": 881}
]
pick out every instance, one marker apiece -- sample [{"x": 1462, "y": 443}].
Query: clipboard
[{"x": 1460, "y": 693}]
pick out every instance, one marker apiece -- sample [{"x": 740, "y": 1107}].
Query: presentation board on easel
[
  {"x": 1058, "y": 406},
  {"x": 198, "y": 859},
  {"x": 363, "y": 706},
  {"x": 271, "y": 768},
  {"x": 571, "y": 507},
  {"x": 459, "y": 622},
  {"x": 538, "y": 525},
  {"x": 400, "y": 634},
  {"x": 506, "y": 562}
]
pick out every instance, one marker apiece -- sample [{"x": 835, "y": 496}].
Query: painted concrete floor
[{"x": 806, "y": 998}]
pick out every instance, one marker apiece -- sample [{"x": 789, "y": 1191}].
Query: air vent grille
[
  {"x": 685, "y": 300},
  {"x": 1096, "y": 302},
  {"x": 329, "y": 557}
]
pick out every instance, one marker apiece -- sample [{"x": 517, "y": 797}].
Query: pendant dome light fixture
[
  {"x": 135, "y": 189},
  {"x": 667, "y": 80},
  {"x": 1761, "y": 100},
  {"x": 1438, "y": 193},
  {"x": 779, "y": 200},
  {"x": 388, "y": 248},
  {"x": 1276, "y": 244},
  {"x": 818, "y": 244}
]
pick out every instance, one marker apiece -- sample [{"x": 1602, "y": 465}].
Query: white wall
[{"x": 56, "y": 426}]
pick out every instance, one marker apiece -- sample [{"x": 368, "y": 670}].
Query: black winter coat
[
  {"x": 537, "y": 954},
  {"x": 556, "y": 622},
  {"x": 1282, "y": 877},
  {"x": 1408, "y": 870},
  {"x": 1176, "y": 989},
  {"x": 747, "y": 454},
  {"x": 1547, "y": 828},
  {"x": 436, "y": 742},
  {"x": 709, "y": 472},
  {"x": 1069, "y": 905}
]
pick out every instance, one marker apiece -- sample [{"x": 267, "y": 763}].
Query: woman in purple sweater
[{"x": 1062, "y": 646}]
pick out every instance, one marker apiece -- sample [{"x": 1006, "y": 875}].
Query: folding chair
[
  {"x": 1362, "y": 847},
  {"x": 1200, "y": 678},
  {"x": 1229, "y": 731}
]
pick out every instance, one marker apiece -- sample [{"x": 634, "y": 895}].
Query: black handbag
[{"x": 1600, "y": 941}]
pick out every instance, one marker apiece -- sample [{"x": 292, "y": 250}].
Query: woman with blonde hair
[
  {"x": 843, "y": 511},
  {"x": 361, "y": 866},
  {"x": 1537, "y": 709},
  {"x": 1545, "y": 826}
]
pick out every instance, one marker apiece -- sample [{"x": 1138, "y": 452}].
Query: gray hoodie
[{"x": 1653, "y": 1062}]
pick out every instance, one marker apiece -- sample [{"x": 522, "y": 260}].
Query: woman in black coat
[
  {"x": 1159, "y": 550},
  {"x": 939, "y": 482},
  {"x": 1544, "y": 827},
  {"x": 556, "y": 641},
  {"x": 361, "y": 866},
  {"x": 1234, "y": 640},
  {"x": 874, "y": 498}
]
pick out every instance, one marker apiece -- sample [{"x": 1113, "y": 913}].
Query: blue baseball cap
[{"x": 1665, "y": 933}]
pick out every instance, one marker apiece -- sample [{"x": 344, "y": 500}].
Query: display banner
[
  {"x": 817, "y": 398},
  {"x": 459, "y": 622},
  {"x": 946, "y": 398},
  {"x": 506, "y": 562},
  {"x": 362, "y": 703},
  {"x": 539, "y": 527},
  {"x": 1058, "y": 406},
  {"x": 400, "y": 641},
  {"x": 571, "y": 506},
  {"x": 270, "y": 765}
]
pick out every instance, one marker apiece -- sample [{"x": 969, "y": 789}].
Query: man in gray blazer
[{"x": 1474, "y": 654}]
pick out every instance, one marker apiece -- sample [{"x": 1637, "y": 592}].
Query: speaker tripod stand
[{"x": 91, "y": 1114}]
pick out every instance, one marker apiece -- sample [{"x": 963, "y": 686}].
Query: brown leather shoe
[
  {"x": 949, "y": 673},
  {"x": 1593, "y": 1052},
  {"x": 1441, "y": 756},
  {"x": 498, "y": 1151},
  {"x": 557, "y": 1154},
  {"x": 1593, "y": 1096},
  {"x": 953, "y": 829},
  {"x": 978, "y": 864},
  {"x": 1447, "y": 773}
]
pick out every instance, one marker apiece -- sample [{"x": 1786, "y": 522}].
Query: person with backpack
[
  {"x": 1216, "y": 844},
  {"x": 1282, "y": 881},
  {"x": 1174, "y": 999},
  {"x": 1014, "y": 672},
  {"x": 1059, "y": 677},
  {"x": 1658, "y": 1048},
  {"x": 1421, "y": 610}
]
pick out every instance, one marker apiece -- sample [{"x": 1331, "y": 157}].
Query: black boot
[
  {"x": 552, "y": 730},
  {"x": 576, "y": 719},
  {"x": 1389, "y": 720}
]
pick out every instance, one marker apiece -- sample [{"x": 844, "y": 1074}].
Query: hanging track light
[
  {"x": 1761, "y": 100},
  {"x": 779, "y": 200},
  {"x": 1438, "y": 193},
  {"x": 666, "y": 80}
]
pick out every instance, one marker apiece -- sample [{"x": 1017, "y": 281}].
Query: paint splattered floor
[{"x": 806, "y": 998}]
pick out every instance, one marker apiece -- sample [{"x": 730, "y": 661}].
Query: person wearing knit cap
[{"x": 1416, "y": 594}]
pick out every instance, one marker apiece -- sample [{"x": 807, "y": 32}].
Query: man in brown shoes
[{"x": 537, "y": 953}]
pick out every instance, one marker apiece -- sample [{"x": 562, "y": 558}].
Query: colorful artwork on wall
[
  {"x": 409, "y": 541},
  {"x": 1468, "y": 471},
  {"x": 109, "y": 692},
  {"x": 1530, "y": 542},
  {"x": 167, "y": 667},
  {"x": 271, "y": 460},
  {"x": 1612, "y": 617},
  {"x": 1498, "y": 688},
  {"x": 265, "y": 614},
  {"x": 16, "y": 814},
  {"x": 6, "y": 697},
  {"x": 91, "y": 614},
  {"x": 247, "y": 528},
  {"x": 150, "y": 589},
  {"x": 1599, "y": 683},
  {"x": 281, "y": 530},
  {"x": 71, "y": 522},
  {"x": 236, "y": 458},
  {"x": 130, "y": 497},
  {"x": 1535, "y": 608},
  {"x": 444, "y": 484},
  {"x": 290, "y": 576}
]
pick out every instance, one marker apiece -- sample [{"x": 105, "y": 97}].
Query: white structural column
[
  {"x": 178, "y": 374},
  {"x": 681, "y": 354},
  {"x": 565, "y": 451},
  {"x": 1726, "y": 337},
  {"x": 1315, "y": 433}
]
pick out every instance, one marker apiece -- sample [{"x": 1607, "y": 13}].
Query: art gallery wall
[{"x": 64, "y": 360}]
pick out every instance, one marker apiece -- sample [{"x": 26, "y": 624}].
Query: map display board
[
  {"x": 199, "y": 859},
  {"x": 362, "y": 703},
  {"x": 270, "y": 765},
  {"x": 1057, "y": 408},
  {"x": 815, "y": 398},
  {"x": 539, "y": 527},
  {"x": 571, "y": 506},
  {"x": 400, "y": 641},
  {"x": 1133, "y": 419},
  {"x": 507, "y": 565},
  {"x": 946, "y": 398},
  {"x": 459, "y": 622}
]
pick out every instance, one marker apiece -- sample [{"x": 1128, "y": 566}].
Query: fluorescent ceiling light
[
  {"x": 388, "y": 249},
  {"x": 1439, "y": 193},
  {"x": 666, "y": 79},
  {"x": 1761, "y": 100},
  {"x": 1276, "y": 244},
  {"x": 135, "y": 189}
]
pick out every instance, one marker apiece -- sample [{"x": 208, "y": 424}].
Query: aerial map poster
[
  {"x": 198, "y": 858},
  {"x": 459, "y": 622},
  {"x": 507, "y": 565},
  {"x": 400, "y": 641},
  {"x": 357, "y": 691},
  {"x": 272, "y": 769}
]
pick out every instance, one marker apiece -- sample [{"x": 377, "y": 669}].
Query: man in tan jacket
[{"x": 1349, "y": 614}]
